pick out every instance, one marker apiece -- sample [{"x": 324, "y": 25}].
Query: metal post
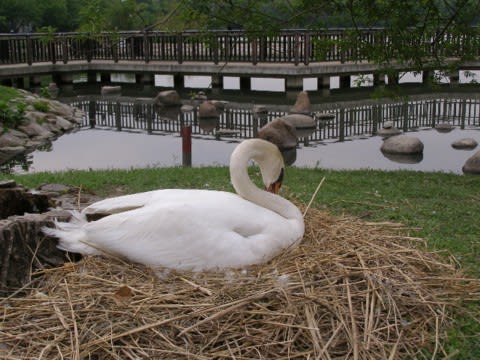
[{"x": 186, "y": 133}]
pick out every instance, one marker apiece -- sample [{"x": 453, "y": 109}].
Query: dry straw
[{"x": 350, "y": 290}]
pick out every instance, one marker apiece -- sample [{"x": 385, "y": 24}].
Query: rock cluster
[
  {"x": 40, "y": 125},
  {"x": 23, "y": 246}
]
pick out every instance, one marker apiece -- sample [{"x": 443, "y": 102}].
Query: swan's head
[
  {"x": 270, "y": 161},
  {"x": 268, "y": 158}
]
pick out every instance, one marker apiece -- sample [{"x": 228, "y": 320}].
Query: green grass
[
  {"x": 444, "y": 209},
  {"x": 8, "y": 93}
]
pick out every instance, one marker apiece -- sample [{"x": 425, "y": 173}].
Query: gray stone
[
  {"x": 304, "y": 125},
  {"x": 465, "y": 144},
  {"x": 34, "y": 129},
  {"x": 167, "y": 98},
  {"x": 111, "y": 90},
  {"x": 64, "y": 124},
  {"x": 186, "y": 108},
  {"x": 12, "y": 138},
  {"x": 444, "y": 127},
  {"x": 472, "y": 165},
  {"x": 8, "y": 184},
  {"x": 302, "y": 104},
  {"x": 208, "y": 110},
  {"x": 402, "y": 144},
  {"x": 279, "y": 132},
  {"x": 388, "y": 130}
]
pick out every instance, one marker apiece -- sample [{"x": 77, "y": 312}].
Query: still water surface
[
  {"x": 106, "y": 149},
  {"x": 101, "y": 149}
]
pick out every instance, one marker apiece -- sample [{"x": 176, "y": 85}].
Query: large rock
[
  {"x": 302, "y": 104},
  {"x": 13, "y": 138},
  {"x": 304, "y": 125},
  {"x": 388, "y": 129},
  {"x": 111, "y": 90},
  {"x": 472, "y": 165},
  {"x": 402, "y": 144},
  {"x": 34, "y": 130},
  {"x": 279, "y": 132},
  {"x": 167, "y": 98},
  {"x": 444, "y": 127},
  {"x": 465, "y": 144},
  {"x": 207, "y": 109}
]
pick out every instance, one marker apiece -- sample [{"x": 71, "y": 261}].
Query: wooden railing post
[
  {"x": 296, "y": 48},
  {"x": 29, "y": 50},
  {"x": 254, "y": 45},
  {"x": 179, "y": 39},
  {"x": 64, "y": 50},
  {"x": 307, "y": 48},
  {"x": 146, "y": 46}
]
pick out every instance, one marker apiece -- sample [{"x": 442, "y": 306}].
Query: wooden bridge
[{"x": 290, "y": 54}]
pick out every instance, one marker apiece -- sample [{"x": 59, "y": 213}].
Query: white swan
[{"x": 194, "y": 229}]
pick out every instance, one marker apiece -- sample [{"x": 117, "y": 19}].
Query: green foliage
[
  {"x": 10, "y": 117},
  {"x": 41, "y": 106}
]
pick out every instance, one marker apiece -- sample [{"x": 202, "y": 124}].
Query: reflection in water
[
  {"x": 404, "y": 158},
  {"x": 328, "y": 146}
]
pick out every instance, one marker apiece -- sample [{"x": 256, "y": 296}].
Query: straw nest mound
[{"x": 351, "y": 290}]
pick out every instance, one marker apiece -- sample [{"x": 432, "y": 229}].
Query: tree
[{"x": 417, "y": 31}]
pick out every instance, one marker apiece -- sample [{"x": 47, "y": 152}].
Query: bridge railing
[{"x": 287, "y": 46}]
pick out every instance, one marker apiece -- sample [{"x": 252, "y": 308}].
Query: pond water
[{"x": 106, "y": 148}]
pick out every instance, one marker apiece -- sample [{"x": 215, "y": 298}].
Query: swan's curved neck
[{"x": 248, "y": 190}]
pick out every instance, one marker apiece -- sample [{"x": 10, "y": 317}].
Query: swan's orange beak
[{"x": 275, "y": 187}]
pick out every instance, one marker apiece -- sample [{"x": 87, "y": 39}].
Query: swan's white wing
[
  {"x": 123, "y": 203},
  {"x": 193, "y": 229}
]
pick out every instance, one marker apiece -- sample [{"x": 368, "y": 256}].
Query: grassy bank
[{"x": 441, "y": 208}]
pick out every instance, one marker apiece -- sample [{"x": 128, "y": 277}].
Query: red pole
[{"x": 186, "y": 133}]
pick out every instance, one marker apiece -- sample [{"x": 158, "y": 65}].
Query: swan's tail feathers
[{"x": 72, "y": 236}]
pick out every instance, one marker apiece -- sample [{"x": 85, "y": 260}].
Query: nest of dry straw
[{"x": 351, "y": 290}]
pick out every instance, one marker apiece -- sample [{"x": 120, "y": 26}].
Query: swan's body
[{"x": 193, "y": 229}]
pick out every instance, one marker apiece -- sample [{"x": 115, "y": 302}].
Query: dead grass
[{"x": 351, "y": 290}]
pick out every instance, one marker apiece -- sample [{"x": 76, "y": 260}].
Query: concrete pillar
[
  {"x": 217, "y": 81},
  {"x": 378, "y": 79},
  {"x": 344, "y": 81},
  {"x": 66, "y": 78},
  {"x": 18, "y": 83},
  {"x": 324, "y": 85},
  {"x": 91, "y": 77},
  {"x": 35, "y": 80},
  {"x": 427, "y": 77},
  {"x": 393, "y": 78},
  {"x": 245, "y": 83},
  {"x": 105, "y": 78},
  {"x": 454, "y": 78},
  {"x": 144, "y": 78},
  {"x": 178, "y": 81},
  {"x": 294, "y": 83}
]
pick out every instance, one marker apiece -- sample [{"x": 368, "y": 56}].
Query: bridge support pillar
[
  {"x": 454, "y": 77},
  {"x": 178, "y": 81},
  {"x": 378, "y": 79},
  {"x": 91, "y": 77},
  {"x": 144, "y": 78},
  {"x": 427, "y": 77},
  {"x": 217, "y": 81},
  {"x": 62, "y": 78},
  {"x": 393, "y": 78},
  {"x": 35, "y": 80},
  {"x": 294, "y": 83},
  {"x": 105, "y": 78},
  {"x": 344, "y": 82},
  {"x": 323, "y": 85},
  {"x": 245, "y": 83}
]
